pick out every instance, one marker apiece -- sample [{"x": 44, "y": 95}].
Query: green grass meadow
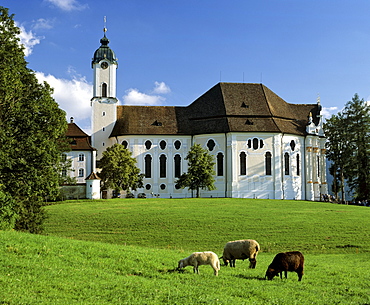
[{"x": 125, "y": 251}]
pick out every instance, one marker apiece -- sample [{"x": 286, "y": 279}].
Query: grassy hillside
[
  {"x": 131, "y": 248},
  {"x": 207, "y": 224}
]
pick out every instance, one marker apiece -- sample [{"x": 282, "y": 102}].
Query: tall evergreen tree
[
  {"x": 200, "y": 172},
  {"x": 32, "y": 132},
  {"x": 357, "y": 116},
  {"x": 338, "y": 151},
  {"x": 348, "y": 135}
]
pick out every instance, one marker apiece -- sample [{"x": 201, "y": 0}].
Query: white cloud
[
  {"x": 134, "y": 97},
  {"x": 68, "y": 5},
  {"x": 72, "y": 95},
  {"x": 161, "y": 88},
  {"x": 327, "y": 112},
  {"x": 28, "y": 40},
  {"x": 43, "y": 24}
]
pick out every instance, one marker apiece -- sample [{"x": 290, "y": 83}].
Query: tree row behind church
[{"x": 348, "y": 135}]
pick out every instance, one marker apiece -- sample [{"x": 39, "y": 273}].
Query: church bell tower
[{"x": 104, "y": 101}]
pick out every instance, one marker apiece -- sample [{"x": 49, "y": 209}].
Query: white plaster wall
[{"x": 76, "y": 164}]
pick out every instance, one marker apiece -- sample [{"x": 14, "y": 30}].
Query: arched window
[
  {"x": 318, "y": 166},
  {"x": 124, "y": 143},
  {"x": 211, "y": 144},
  {"x": 292, "y": 145},
  {"x": 177, "y": 159},
  {"x": 104, "y": 90},
  {"x": 255, "y": 143},
  {"x": 286, "y": 164},
  {"x": 243, "y": 163},
  {"x": 81, "y": 172},
  {"x": 148, "y": 144},
  {"x": 162, "y": 166},
  {"x": 162, "y": 144},
  {"x": 148, "y": 166},
  {"x": 177, "y": 144},
  {"x": 81, "y": 157},
  {"x": 220, "y": 164},
  {"x": 298, "y": 166},
  {"x": 268, "y": 163}
]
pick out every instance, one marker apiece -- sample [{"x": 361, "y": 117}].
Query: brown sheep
[
  {"x": 241, "y": 249},
  {"x": 287, "y": 261}
]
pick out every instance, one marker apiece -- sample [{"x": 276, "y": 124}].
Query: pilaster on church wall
[
  {"x": 229, "y": 157},
  {"x": 309, "y": 169},
  {"x": 277, "y": 165},
  {"x": 324, "y": 186}
]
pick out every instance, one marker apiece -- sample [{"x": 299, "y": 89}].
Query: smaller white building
[{"x": 82, "y": 156}]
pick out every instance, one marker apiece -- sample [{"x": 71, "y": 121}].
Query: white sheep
[
  {"x": 241, "y": 249},
  {"x": 201, "y": 258}
]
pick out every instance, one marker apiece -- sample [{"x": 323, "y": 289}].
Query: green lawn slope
[{"x": 125, "y": 252}]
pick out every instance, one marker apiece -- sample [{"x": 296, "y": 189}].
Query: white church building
[{"x": 263, "y": 146}]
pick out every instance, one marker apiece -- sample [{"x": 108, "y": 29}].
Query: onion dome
[{"x": 104, "y": 52}]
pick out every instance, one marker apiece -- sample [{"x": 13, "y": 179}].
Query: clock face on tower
[{"x": 104, "y": 65}]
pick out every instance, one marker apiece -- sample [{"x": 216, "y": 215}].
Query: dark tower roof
[{"x": 104, "y": 52}]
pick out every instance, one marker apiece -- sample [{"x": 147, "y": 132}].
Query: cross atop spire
[{"x": 105, "y": 24}]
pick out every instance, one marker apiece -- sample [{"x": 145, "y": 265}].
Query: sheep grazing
[
  {"x": 201, "y": 258},
  {"x": 241, "y": 249},
  {"x": 287, "y": 261}
]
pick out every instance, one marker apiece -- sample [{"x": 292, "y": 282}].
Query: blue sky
[{"x": 171, "y": 52}]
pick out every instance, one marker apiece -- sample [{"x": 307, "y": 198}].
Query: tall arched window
[
  {"x": 81, "y": 157},
  {"x": 104, "y": 89},
  {"x": 162, "y": 166},
  {"x": 298, "y": 166},
  {"x": 177, "y": 159},
  {"x": 81, "y": 172},
  {"x": 268, "y": 163},
  {"x": 318, "y": 166},
  {"x": 220, "y": 164},
  {"x": 148, "y": 166},
  {"x": 286, "y": 164},
  {"x": 243, "y": 163}
]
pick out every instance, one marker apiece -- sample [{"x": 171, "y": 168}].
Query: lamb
[
  {"x": 241, "y": 249},
  {"x": 287, "y": 261},
  {"x": 201, "y": 258}
]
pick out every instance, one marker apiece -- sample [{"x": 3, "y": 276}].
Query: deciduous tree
[
  {"x": 200, "y": 171},
  {"x": 32, "y": 132},
  {"x": 119, "y": 170}
]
